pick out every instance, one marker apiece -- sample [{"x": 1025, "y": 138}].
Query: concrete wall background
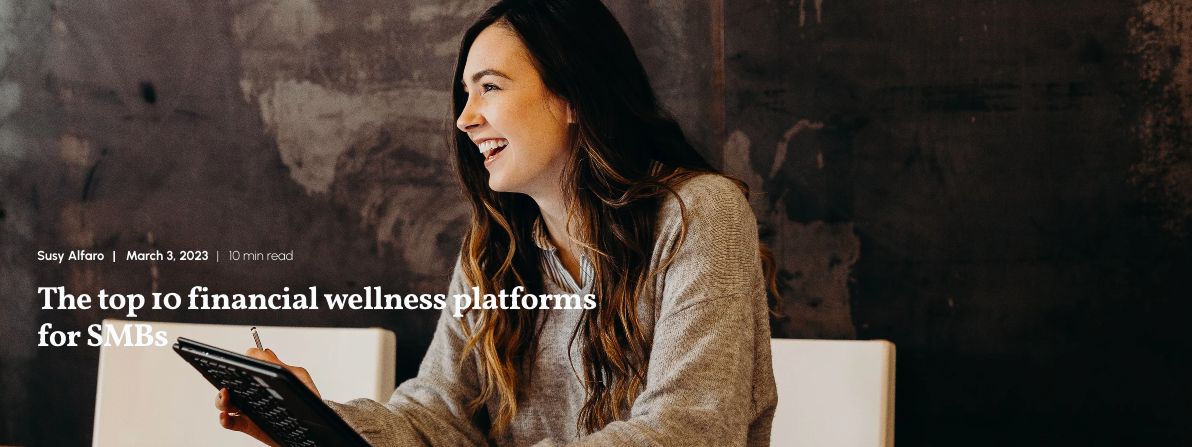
[{"x": 1002, "y": 188}]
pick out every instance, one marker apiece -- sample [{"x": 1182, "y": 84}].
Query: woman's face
[{"x": 520, "y": 127}]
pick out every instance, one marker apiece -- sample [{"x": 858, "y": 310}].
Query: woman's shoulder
[
  {"x": 709, "y": 211},
  {"x": 710, "y": 184},
  {"x": 704, "y": 194},
  {"x": 712, "y": 243}
]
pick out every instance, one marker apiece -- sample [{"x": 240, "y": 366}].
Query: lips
[{"x": 491, "y": 149}]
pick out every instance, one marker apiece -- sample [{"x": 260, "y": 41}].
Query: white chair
[
  {"x": 148, "y": 396},
  {"x": 833, "y": 393}
]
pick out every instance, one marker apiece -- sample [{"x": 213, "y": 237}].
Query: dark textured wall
[
  {"x": 1008, "y": 181},
  {"x": 1002, "y": 188}
]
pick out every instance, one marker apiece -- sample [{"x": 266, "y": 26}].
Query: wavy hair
[{"x": 627, "y": 155}]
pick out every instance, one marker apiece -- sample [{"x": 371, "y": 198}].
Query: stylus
[{"x": 257, "y": 338}]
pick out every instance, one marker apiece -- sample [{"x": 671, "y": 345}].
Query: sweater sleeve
[
  {"x": 430, "y": 409},
  {"x": 700, "y": 381}
]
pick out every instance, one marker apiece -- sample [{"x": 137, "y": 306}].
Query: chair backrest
[
  {"x": 148, "y": 396},
  {"x": 833, "y": 393}
]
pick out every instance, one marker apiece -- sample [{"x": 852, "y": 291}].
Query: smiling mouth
[{"x": 490, "y": 149}]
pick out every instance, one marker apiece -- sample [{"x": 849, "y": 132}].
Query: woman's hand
[{"x": 230, "y": 417}]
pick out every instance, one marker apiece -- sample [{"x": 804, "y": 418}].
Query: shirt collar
[
  {"x": 541, "y": 236},
  {"x": 553, "y": 267}
]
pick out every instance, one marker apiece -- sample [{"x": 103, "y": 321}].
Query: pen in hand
[
  {"x": 256, "y": 338},
  {"x": 298, "y": 371}
]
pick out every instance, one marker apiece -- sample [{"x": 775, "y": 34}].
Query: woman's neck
[{"x": 554, "y": 215}]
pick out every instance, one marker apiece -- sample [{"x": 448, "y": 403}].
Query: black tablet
[{"x": 271, "y": 396}]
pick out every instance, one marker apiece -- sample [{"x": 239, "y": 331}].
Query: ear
[{"x": 570, "y": 114}]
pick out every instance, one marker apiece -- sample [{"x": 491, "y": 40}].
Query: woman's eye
[{"x": 490, "y": 87}]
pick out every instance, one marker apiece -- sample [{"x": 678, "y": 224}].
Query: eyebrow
[{"x": 485, "y": 72}]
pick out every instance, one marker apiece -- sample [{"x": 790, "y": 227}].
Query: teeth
[{"x": 489, "y": 145}]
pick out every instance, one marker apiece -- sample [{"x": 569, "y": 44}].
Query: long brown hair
[{"x": 627, "y": 156}]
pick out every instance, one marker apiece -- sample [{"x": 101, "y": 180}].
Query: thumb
[
  {"x": 264, "y": 354},
  {"x": 273, "y": 356}
]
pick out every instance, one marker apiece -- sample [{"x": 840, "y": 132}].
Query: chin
[
  {"x": 495, "y": 186},
  {"x": 498, "y": 184}
]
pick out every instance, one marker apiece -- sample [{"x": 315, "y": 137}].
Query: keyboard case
[{"x": 271, "y": 396}]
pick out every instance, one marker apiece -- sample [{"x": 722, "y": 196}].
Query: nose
[{"x": 469, "y": 119}]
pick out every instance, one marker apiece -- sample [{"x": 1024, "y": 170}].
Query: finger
[
  {"x": 223, "y": 400},
  {"x": 269, "y": 356},
  {"x": 265, "y": 355},
  {"x": 300, "y": 372},
  {"x": 239, "y": 422},
  {"x": 273, "y": 355},
  {"x": 255, "y": 353}
]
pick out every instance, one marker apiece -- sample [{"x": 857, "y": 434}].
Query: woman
[{"x": 580, "y": 184}]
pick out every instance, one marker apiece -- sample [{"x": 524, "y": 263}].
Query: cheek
[
  {"x": 551, "y": 132},
  {"x": 539, "y": 136},
  {"x": 546, "y": 152}
]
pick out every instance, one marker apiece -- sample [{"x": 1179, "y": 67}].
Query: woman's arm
[
  {"x": 710, "y": 380},
  {"x": 430, "y": 409}
]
